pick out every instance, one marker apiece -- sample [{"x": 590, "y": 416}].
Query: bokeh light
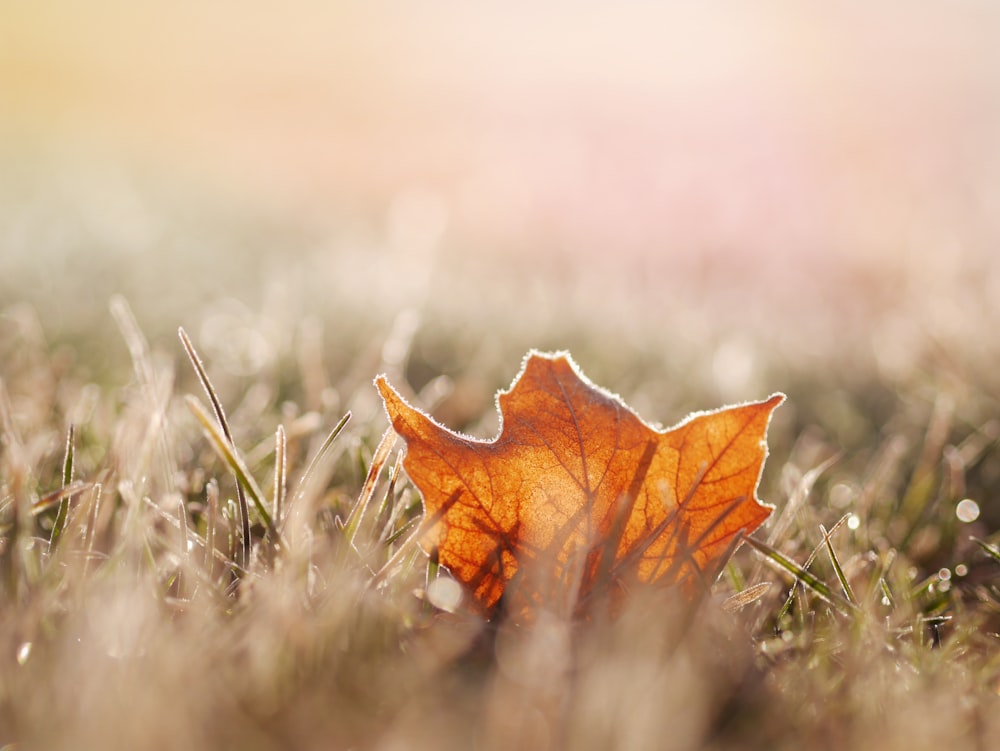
[{"x": 967, "y": 510}]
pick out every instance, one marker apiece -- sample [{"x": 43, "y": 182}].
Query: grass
[{"x": 243, "y": 575}]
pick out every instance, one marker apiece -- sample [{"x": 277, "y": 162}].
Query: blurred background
[
  {"x": 704, "y": 202},
  {"x": 727, "y": 186}
]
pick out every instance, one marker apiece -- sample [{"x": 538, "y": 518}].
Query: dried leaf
[{"x": 578, "y": 494}]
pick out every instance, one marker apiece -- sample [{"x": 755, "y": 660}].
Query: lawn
[
  {"x": 800, "y": 240},
  {"x": 142, "y": 623}
]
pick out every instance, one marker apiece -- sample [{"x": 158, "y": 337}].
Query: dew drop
[
  {"x": 967, "y": 510},
  {"x": 23, "y": 653},
  {"x": 961, "y": 569},
  {"x": 853, "y": 522},
  {"x": 445, "y": 594}
]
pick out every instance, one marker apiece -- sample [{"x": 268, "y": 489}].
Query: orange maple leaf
[{"x": 577, "y": 492}]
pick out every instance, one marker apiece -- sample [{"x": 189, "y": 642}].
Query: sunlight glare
[{"x": 23, "y": 653}]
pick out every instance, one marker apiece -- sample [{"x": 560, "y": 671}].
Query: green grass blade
[
  {"x": 886, "y": 591},
  {"x": 809, "y": 561},
  {"x": 807, "y": 578},
  {"x": 390, "y": 539},
  {"x": 323, "y": 450},
  {"x": 401, "y": 552},
  {"x": 837, "y": 568},
  {"x": 990, "y": 550},
  {"x": 67, "y": 480},
  {"x": 735, "y": 577},
  {"x": 220, "y": 416},
  {"x": 384, "y": 512},
  {"x": 228, "y": 453},
  {"x": 304, "y": 483}
]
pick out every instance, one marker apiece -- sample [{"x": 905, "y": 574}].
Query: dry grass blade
[
  {"x": 93, "y": 514},
  {"x": 142, "y": 365},
  {"x": 280, "y": 472},
  {"x": 8, "y": 431},
  {"x": 59, "y": 495},
  {"x": 379, "y": 459},
  {"x": 798, "y": 497},
  {"x": 746, "y": 597},
  {"x": 211, "y": 519}
]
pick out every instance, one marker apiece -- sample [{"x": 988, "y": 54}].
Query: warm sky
[{"x": 787, "y": 127}]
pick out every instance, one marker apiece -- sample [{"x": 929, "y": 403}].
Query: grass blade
[
  {"x": 145, "y": 372},
  {"x": 745, "y": 597},
  {"x": 379, "y": 458},
  {"x": 323, "y": 450},
  {"x": 49, "y": 500},
  {"x": 990, "y": 550},
  {"x": 806, "y": 577},
  {"x": 220, "y": 416},
  {"x": 305, "y": 482},
  {"x": 809, "y": 562},
  {"x": 401, "y": 552},
  {"x": 280, "y": 472},
  {"x": 94, "y": 513},
  {"x": 886, "y": 592},
  {"x": 393, "y": 513},
  {"x": 228, "y": 453},
  {"x": 837, "y": 568},
  {"x": 67, "y": 479}
]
